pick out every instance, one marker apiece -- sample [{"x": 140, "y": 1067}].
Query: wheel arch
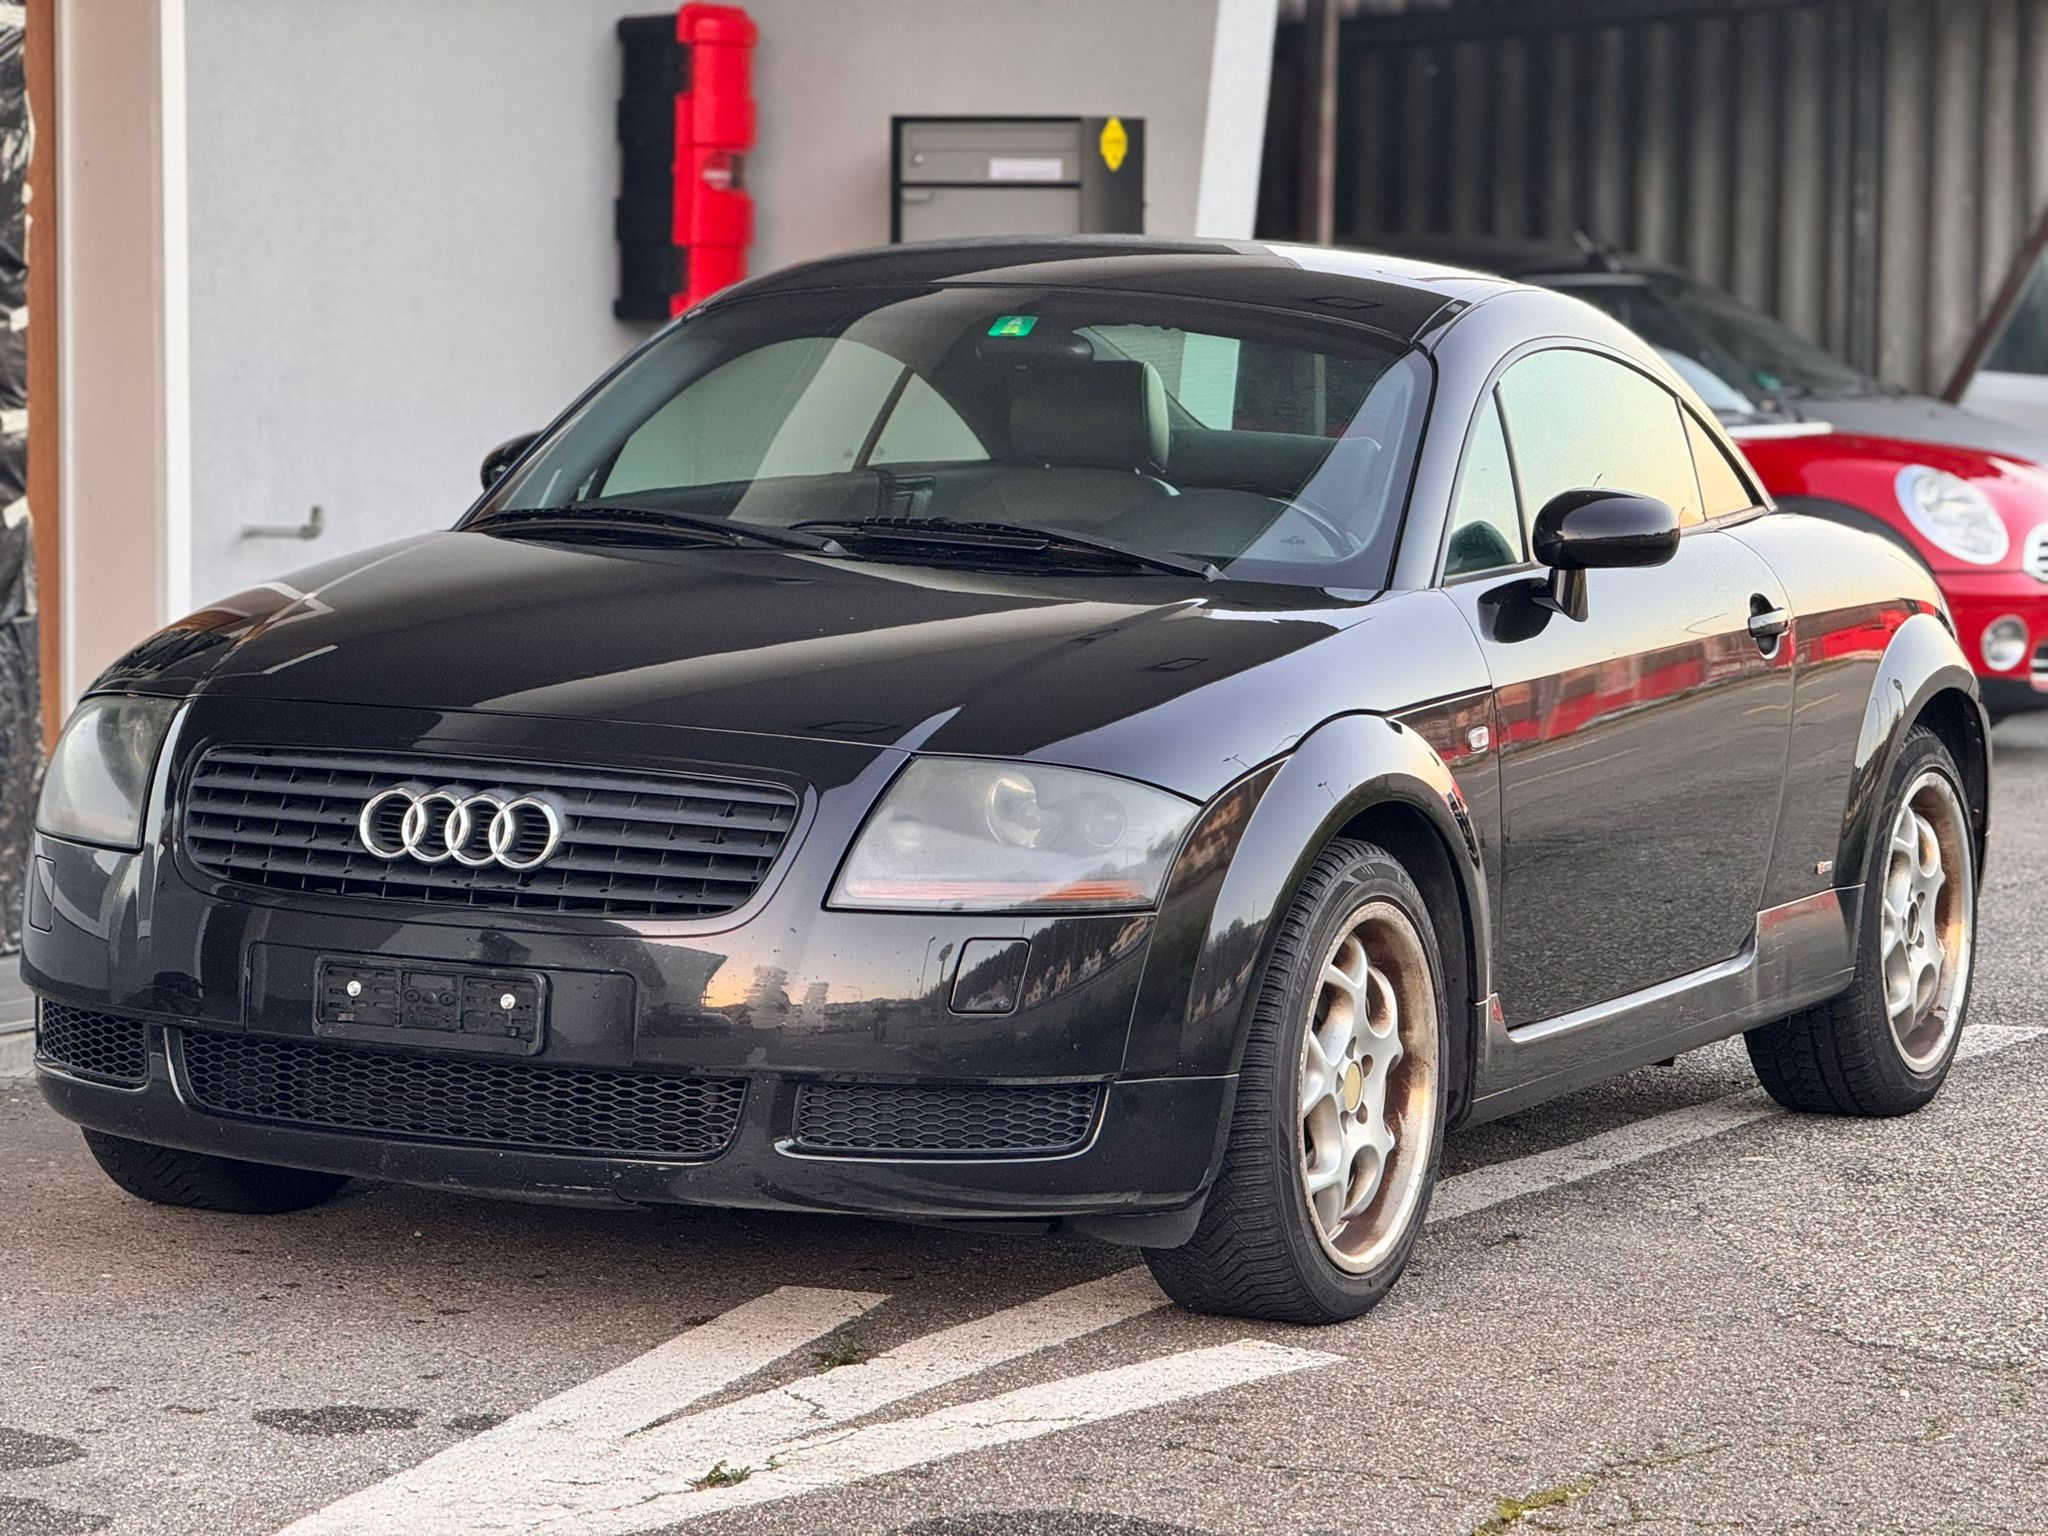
[
  {"x": 1416, "y": 841},
  {"x": 1923, "y": 678},
  {"x": 1360, "y": 776},
  {"x": 1959, "y": 720}
]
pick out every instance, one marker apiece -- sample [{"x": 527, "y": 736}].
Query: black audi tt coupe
[{"x": 1141, "y": 735}]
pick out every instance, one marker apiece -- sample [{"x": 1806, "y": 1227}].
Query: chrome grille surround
[{"x": 2034, "y": 554}]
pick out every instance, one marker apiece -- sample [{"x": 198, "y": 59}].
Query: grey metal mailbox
[{"x": 960, "y": 176}]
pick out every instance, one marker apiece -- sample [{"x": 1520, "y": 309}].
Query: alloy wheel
[
  {"x": 1368, "y": 1085},
  {"x": 1928, "y": 903}
]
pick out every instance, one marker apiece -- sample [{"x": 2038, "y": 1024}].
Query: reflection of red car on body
[
  {"x": 1978, "y": 519},
  {"x": 1968, "y": 495}
]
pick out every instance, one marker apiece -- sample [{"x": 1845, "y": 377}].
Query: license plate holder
[{"x": 457, "y": 1008}]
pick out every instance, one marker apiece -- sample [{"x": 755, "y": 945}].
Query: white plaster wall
[{"x": 400, "y": 210}]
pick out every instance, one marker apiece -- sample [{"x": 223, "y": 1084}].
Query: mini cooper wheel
[
  {"x": 202, "y": 1182},
  {"x": 1338, "y": 1125},
  {"x": 1883, "y": 1047}
]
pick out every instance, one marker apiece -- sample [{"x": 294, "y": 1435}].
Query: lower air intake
[
  {"x": 510, "y": 1104},
  {"x": 956, "y": 1120},
  {"x": 105, "y": 1047}
]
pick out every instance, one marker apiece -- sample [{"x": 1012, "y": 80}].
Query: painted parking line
[
  {"x": 576, "y": 1426},
  {"x": 837, "y": 1458},
  {"x": 625, "y": 1454},
  {"x": 626, "y": 1435}
]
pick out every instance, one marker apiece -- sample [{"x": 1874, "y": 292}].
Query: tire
[
  {"x": 1845, "y": 1056},
  {"x": 201, "y": 1182},
  {"x": 1261, "y": 1250}
]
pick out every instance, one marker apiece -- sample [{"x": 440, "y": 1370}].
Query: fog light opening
[{"x": 2004, "y": 644}]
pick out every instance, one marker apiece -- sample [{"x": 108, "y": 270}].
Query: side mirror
[
  {"x": 1586, "y": 530},
  {"x": 501, "y": 458}
]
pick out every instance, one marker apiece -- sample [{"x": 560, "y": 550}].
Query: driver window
[
  {"x": 1486, "y": 526},
  {"x": 1581, "y": 421}
]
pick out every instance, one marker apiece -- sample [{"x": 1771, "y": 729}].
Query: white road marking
[
  {"x": 668, "y": 1458},
  {"x": 1483, "y": 1188},
  {"x": 574, "y": 1426},
  {"x": 840, "y": 1457},
  {"x": 619, "y": 1454}
]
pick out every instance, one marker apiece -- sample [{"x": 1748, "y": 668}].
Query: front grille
[
  {"x": 461, "y": 1099},
  {"x": 2040, "y": 667},
  {"x": 2034, "y": 556},
  {"x": 632, "y": 846},
  {"x": 984, "y": 1120},
  {"x": 102, "y": 1046}
]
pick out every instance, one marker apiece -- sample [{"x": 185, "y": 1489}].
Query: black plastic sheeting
[{"x": 21, "y": 728}]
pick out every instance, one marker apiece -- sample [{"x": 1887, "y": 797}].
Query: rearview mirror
[
  {"x": 501, "y": 458},
  {"x": 1585, "y": 530}
]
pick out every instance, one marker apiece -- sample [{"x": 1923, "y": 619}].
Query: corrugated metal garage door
[{"x": 1868, "y": 169}]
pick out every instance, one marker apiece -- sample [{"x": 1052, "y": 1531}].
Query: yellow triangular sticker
[{"x": 1114, "y": 144}]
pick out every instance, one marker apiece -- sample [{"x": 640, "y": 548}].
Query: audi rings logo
[{"x": 473, "y": 827}]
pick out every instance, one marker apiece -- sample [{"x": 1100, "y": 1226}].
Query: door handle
[{"x": 1767, "y": 623}]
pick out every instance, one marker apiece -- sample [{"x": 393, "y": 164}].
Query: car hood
[
  {"x": 783, "y": 643},
  {"x": 1923, "y": 419}
]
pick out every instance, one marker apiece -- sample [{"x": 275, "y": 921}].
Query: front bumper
[
  {"x": 1152, "y": 1149},
  {"x": 779, "y": 995},
  {"x": 1977, "y": 599}
]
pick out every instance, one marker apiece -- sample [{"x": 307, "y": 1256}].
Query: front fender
[
  {"x": 1922, "y": 674},
  {"x": 1247, "y": 858}
]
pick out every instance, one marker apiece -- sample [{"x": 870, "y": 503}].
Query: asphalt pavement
[{"x": 1660, "y": 1304}]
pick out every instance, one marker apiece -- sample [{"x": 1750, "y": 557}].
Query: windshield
[
  {"x": 1736, "y": 357},
  {"x": 1271, "y": 448}
]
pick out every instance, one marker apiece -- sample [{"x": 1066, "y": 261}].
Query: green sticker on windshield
[{"x": 1013, "y": 325}]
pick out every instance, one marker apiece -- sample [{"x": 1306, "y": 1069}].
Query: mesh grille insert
[
  {"x": 969, "y": 1119},
  {"x": 633, "y": 845},
  {"x": 104, "y": 1046},
  {"x": 462, "y": 1099}
]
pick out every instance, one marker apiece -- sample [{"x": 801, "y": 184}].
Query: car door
[{"x": 1641, "y": 749}]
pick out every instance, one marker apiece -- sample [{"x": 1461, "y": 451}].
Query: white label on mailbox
[{"x": 1027, "y": 170}]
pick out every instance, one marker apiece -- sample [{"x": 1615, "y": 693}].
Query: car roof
[
  {"x": 1524, "y": 259},
  {"x": 1399, "y": 297}
]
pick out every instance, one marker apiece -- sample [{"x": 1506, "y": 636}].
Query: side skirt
[{"x": 1800, "y": 953}]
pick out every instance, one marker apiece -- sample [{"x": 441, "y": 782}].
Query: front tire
[
  {"x": 1884, "y": 1046},
  {"x": 1338, "y": 1127},
  {"x": 200, "y": 1181}
]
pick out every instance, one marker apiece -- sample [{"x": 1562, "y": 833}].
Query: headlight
[
  {"x": 97, "y": 785},
  {"x": 958, "y": 835},
  {"x": 1953, "y": 514},
  {"x": 2004, "y": 643}
]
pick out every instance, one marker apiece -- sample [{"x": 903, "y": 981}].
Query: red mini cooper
[{"x": 1967, "y": 494}]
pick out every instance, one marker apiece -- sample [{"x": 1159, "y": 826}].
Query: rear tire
[
  {"x": 1339, "y": 1121},
  {"x": 1884, "y": 1046},
  {"x": 202, "y": 1182}
]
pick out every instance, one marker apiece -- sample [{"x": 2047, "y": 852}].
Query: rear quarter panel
[{"x": 1873, "y": 645}]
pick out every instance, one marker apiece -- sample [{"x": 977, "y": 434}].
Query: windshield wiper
[
  {"x": 610, "y": 517},
  {"x": 1008, "y": 539}
]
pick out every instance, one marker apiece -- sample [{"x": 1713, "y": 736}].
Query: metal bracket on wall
[{"x": 311, "y": 528}]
